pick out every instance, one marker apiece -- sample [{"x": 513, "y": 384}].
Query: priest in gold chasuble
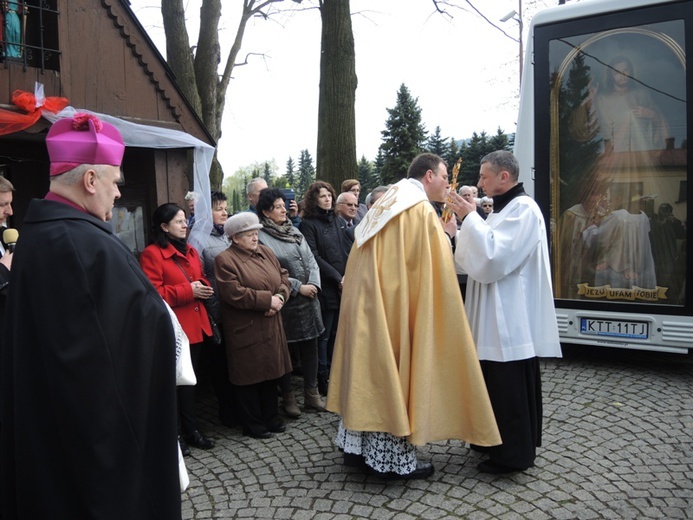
[{"x": 404, "y": 369}]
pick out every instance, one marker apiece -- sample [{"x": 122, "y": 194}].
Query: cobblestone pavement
[{"x": 618, "y": 443}]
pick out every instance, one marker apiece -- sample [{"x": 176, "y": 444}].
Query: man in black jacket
[
  {"x": 88, "y": 363},
  {"x": 6, "y": 190}
]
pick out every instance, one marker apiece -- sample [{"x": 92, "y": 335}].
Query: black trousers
[
  {"x": 258, "y": 406},
  {"x": 515, "y": 391},
  {"x": 186, "y": 396},
  {"x": 308, "y": 354},
  {"x": 214, "y": 367}
]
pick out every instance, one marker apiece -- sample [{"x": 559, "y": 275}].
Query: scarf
[
  {"x": 219, "y": 229},
  {"x": 181, "y": 244},
  {"x": 284, "y": 232}
]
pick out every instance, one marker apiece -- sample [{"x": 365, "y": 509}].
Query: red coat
[{"x": 174, "y": 286}]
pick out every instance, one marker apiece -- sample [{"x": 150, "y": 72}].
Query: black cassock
[{"x": 87, "y": 378}]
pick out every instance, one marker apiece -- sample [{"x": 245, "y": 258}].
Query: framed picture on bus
[{"x": 617, "y": 156}]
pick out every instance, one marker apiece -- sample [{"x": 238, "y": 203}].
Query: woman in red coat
[{"x": 175, "y": 270}]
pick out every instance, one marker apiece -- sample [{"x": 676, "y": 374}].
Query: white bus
[{"x": 602, "y": 144}]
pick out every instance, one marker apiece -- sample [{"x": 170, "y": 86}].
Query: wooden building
[{"x": 96, "y": 54}]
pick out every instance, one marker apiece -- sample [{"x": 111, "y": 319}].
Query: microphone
[{"x": 10, "y": 236}]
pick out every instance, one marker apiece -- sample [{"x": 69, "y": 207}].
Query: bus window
[{"x": 618, "y": 162}]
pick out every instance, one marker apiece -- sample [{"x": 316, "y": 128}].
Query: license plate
[{"x": 615, "y": 328}]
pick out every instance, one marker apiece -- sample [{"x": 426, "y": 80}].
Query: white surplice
[{"x": 509, "y": 295}]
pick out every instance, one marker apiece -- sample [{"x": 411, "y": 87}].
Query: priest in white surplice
[{"x": 509, "y": 304}]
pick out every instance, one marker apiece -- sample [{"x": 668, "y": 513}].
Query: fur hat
[{"x": 241, "y": 222}]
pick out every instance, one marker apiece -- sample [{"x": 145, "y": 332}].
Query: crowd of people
[{"x": 356, "y": 299}]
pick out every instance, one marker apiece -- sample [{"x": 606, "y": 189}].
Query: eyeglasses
[
  {"x": 351, "y": 205},
  {"x": 487, "y": 205}
]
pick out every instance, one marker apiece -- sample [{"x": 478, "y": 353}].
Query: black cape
[{"x": 87, "y": 378}]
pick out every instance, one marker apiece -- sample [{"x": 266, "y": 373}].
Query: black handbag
[
  {"x": 216, "y": 330},
  {"x": 216, "y": 337}
]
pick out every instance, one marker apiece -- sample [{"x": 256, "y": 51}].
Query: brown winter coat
[{"x": 255, "y": 344}]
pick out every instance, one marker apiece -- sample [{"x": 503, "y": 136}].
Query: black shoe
[
  {"x": 351, "y": 460},
  {"x": 423, "y": 470},
  {"x": 479, "y": 449},
  {"x": 198, "y": 440},
  {"x": 493, "y": 468},
  {"x": 183, "y": 447},
  {"x": 257, "y": 435},
  {"x": 277, "y": 427}
]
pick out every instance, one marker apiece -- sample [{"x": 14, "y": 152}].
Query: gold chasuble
[{"x": 404, "y": 361}]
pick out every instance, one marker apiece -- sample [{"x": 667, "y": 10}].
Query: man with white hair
[
  {"x": 374, "y": 195},
  {"x": 468, "y": 194},
  {"x": 253, "y": 189},
  {"x": 6, "y": 254},
  {"x": 191, "y": 199},
  {"x": 6, "y": 190},
  {"x": 346, "y": 207},
  {"x": 89, "y": 358}
]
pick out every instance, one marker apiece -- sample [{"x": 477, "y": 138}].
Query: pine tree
[
  {"x": 290, "y": 175},
  {"x": 378, "y": 167},
  {"x": 267, "y": 174},
  {"x": 474, "y": 149},
  {"x": 367, "y": 178},
  {"x": 499, "y": 141},
  {"x": 403, "y": 138},
  {"x": 453, "y": 153},
  {"x": 306, "y": 173},
  {"x": 471, "y": 153},
  {"x": 236, "y": 202},
  {"x": 437, "y": 144}
]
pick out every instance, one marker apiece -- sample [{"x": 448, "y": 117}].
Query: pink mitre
[{"x": 84, "y": 139}]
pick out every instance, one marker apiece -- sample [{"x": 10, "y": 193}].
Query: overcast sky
[{"x": 463, "y": 71}]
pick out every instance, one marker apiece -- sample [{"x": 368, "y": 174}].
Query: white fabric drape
[{"x": 144, "y": 136}]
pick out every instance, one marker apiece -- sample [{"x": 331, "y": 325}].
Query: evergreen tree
[
  {"x": 236, "y": 204},
  {"x": 403, "y": 138},
  {"x": 367, "y": 177},
  {"x": 471, "y": 154},
  {"x": 437, "y": 144},
  {"x": 378, "y": 166},
  {"x": 290, "y": 175},
  {"x": 267, "y": 174},
  {"x": 499, "y": 141},
  {"x": 474, "y": 149},
  {"x": 306, "y": 173},
  {"x": 453, "y": 153}
]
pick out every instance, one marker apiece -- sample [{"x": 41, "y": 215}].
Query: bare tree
[
  {"x": 197, "y": 75},
  {"x": 197, "y": 71}
]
